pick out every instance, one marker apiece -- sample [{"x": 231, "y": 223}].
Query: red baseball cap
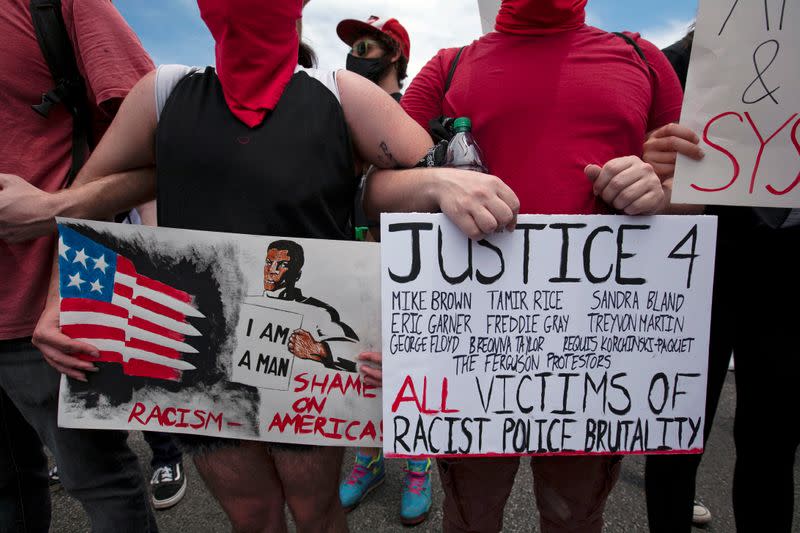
[{"x": 351, "y": 29}]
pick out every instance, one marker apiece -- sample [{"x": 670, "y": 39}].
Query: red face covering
[
  {"x": 256, "y": 51},
  {"x": 540, "y": 17}
]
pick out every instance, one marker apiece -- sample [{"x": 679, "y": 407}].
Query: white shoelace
[{"x": 164, "y": 474}]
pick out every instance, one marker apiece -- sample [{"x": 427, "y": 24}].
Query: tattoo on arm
[{"x": 387, "y": 158}]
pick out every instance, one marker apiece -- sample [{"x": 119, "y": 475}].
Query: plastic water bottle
[{"x": 463, "y": 152}]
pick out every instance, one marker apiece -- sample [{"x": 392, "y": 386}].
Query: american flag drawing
[{"x": 130, "y": 318}]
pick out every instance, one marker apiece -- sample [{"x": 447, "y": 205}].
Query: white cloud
[
  {"x": 663, "y": 36},
  {"x": 431, "y": 25}
]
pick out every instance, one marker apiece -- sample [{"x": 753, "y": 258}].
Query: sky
[{"x": 172, "y": 31}]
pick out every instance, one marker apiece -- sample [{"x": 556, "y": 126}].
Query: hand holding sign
[
  {"x": 629, "y": 185},
  {"x": 58, "y": 349},
  {"x": 663, "y": 145},
  {"x": 371, "y": 371}
]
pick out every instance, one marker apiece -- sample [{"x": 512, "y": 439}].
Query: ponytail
[{"x": 306, "y": 56}]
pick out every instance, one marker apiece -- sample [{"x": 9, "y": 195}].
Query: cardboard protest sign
[
  {"x": 232, "y": 336},
  {"x": 743, "y": 99},
  {"x": 569, "y": 335},
  {"x": 488, "y": 10}
]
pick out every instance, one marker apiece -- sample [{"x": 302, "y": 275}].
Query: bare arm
[
  {"x": 479, "y": 204},
  {"x": 386, "y": 137},
  {"x": 119, "y": 175},
  {"x": 383, "y": 134}
]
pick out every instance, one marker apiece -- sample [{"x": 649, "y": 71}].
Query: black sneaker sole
[{"x": 160, "y": 505}]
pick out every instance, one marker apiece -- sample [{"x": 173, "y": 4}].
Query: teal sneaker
[
  {"x": 367, "y": 474},
  {"x": 416, "y": 499}
]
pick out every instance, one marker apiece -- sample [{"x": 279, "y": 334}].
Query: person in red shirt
[
  {"x": 561, "y": 111},
  {"x": 96, "y": 467}
]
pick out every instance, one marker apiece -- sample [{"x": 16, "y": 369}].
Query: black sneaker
[
  {"x": 701, "y": 516},
  {"x": 168, "y": 485}
]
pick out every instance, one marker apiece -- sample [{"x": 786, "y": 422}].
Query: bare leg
[
  {"x": 311, "y": 486},
  {"x": 245, "y": 482},
  {"x": 370, "y": 452}
]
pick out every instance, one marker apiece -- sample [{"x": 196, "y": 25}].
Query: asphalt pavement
[{"x": 625, "y": 513}]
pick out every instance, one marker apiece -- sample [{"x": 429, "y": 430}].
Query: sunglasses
[{"x": 364, "y": 47}]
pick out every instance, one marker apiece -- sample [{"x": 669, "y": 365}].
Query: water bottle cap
[
  {"x": 361, "y": 233},
  {"x": 462, "y": 124}
]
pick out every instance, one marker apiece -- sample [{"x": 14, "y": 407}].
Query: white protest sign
[
  {"x": 571, "y": 334},
  {"x": 488, "y": 10},
  {"x": 743, "y": 100},
  {"x": 262, "y": 358},
  {"x": 233, "y": 336}
]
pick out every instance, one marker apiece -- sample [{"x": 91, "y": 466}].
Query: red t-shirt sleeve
[
  {"x": 665, "y": 106},
  {"x": 424, "y": 97},
  {"x": 109, "y": 54}
]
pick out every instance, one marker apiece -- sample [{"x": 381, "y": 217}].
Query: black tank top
[{"x": 292, "y": 176}]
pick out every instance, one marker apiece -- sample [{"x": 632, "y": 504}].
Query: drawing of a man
[{"x": 282, "y": 268}]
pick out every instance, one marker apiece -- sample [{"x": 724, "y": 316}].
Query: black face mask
[{"x": 372, "y": 69}]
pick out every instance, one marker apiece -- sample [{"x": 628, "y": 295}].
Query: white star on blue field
[
  {"x": 172, "y": 31},
  {"x": 87, "y": 269}
]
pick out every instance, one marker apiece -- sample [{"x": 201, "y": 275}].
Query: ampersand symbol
[{"x": 759, "y": 75}]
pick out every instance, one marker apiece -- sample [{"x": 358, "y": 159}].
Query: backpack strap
[
  {"x": 452, "y": 71},
  {"x": 636, "y": 47},
  {"x": 70, "y": 87},
  {"x": 440, "y": 127}
]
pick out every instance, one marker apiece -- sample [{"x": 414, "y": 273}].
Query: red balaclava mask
[
  {"x": 540, "y": 17},
  {"x": 256, "y": 51}
]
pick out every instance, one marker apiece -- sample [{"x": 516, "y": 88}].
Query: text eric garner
[{"x": 569, "y": 335}]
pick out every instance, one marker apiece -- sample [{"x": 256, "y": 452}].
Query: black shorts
[{"x": 200, "y": 444}]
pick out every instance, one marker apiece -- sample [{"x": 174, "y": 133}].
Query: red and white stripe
[{"x": 143, "y": 327}]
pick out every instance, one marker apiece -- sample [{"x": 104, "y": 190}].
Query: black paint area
[{"x": 212, "y": 276}]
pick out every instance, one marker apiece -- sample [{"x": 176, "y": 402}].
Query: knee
[
  {"x": 316, "y": 514},
  {"x": 256, "y": 516},
  {"x": 571, "y": 493},
  {"x": 560, "y": 514}
]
